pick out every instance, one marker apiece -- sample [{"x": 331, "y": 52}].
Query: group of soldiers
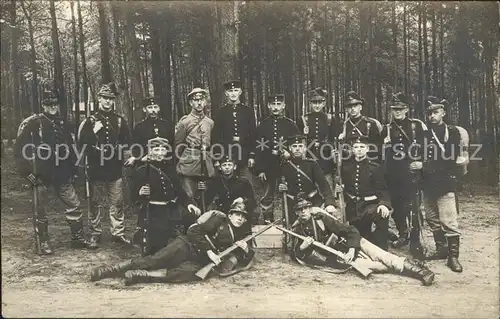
[{"x": 195, "y": 183}]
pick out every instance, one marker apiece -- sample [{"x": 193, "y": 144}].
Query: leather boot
[
  {"x": 418, "y": 271},
  {"x": 77, "y": 238},
  {"x": 441, "y": 249},
  {"x": 403, "y": 240},
  {"x": 453, "y": 251},
  {"x": 106, "y": 271},
  {"x": 142, "y": 276},
  {"x": 43, "y": 233}
]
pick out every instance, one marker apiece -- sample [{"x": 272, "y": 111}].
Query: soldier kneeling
[
  {"x": 214, "y": 231},
  {"x": 320, "y": 226}
]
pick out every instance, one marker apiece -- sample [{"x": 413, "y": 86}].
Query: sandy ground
[{"x": 58, "y": 286}]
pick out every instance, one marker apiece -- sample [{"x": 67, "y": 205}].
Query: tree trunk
[
  {"x": 58, "y": 66},
  {"x": 75, "y": 67},
  {"x": 395, "y": 46},
  {"x": 104, "y": 44},
  {"x": 420, "y": 95},
  {"x": 84, "y": 63},
  {"x": 463, "y": 72},
  {"x": 34, "y": 87},
  {"x": 14, "y": 67},
  {"x": 435, "y": 84},
  {"x": 441, "y": 52},
  {"x": 427, "y": 72},
  {"x": 405, "y": 49}
]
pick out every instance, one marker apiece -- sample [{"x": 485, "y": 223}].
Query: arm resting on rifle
[
  {"x": 207, "y": 224},
  {"x": 348, "y": 232}
]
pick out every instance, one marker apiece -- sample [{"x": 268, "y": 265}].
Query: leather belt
[
  {"x": 369, "y": 198},
  {"x": 161, "y": 203},
  {"x": 310, "y": 195}
]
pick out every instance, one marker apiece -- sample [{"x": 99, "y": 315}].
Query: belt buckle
[
  {"x": 275, "y": 152},
  {"x": 236, "y": 138},
  {"x": 316, "y": 144}
]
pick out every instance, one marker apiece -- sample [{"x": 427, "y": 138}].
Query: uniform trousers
[
  {"x": 67, "y": 194},
  {"x": 441, "y": 213},
  {"x": 114, "y": 192}
]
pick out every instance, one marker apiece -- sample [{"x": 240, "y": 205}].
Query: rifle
[
  {"x": 35, "y": 200},
  {"x": 338, "y": 180},
  {"x": 284, "y": 239},
  {"x": 203, "y": 173},
  {"x": 203, "y": 272},
  {"x": 365, "y": 272},
  {"x": 86, "y": 166},
  {"x": 304, "y": 119},
  {"x": 145, "y": 235}
]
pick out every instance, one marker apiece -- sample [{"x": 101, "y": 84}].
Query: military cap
[
  {"x": 353, "y": 139},
  {"x": 157, "y": 142},
  {"x": 50, "y": 98},
  {"x": 353, "y": 98},
  {"x": 227, "y": 158},
  {"x": 297, "y": 138},
  {"x": 238, "y": 206},
  {"x": 149, "y": 100},
  {"x": 433, "y": 103},
  {"x": 276, "y": 98},
  {"x": 318, "y": 94},
  {"x": 301, "y": 202},
  {"x": 399, "y": 101},
  {"x": 234, "y": 84},
  {"x": 197, "y": 94},
  {"x": 108, "y": 90}
]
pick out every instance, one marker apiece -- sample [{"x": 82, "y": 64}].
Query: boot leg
[
  {"x": 43, "y": 229},
  {"x": 77, "y": 237},
  {"x": 417, "y": 271},
  {"x": 106, "y": 271},
  {"x": 441, "y": 249},
  {"x": 453, "y": 252},
  {"x": 143, "y": 276}
]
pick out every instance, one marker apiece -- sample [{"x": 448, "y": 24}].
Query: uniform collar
[{"x": 193, "y": 114}]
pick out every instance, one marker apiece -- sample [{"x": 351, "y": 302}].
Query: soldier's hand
[
  {"x": 338, "y": 188},
  {"x": 306, "y": 243},
  {"x": 97, "y": 126},
  {"x": 33, "y": 180},
  {"x": 416, "y": 165},
  {"x": 213, "y": 257},
  {"x": 286, "y": 154},
  {"x": 330, "y": 209},
  {"x": 194, "y": 210},
  {"x": 130, "y": 161},
  {"x": 202, "y": 186},
  {"x": 349, "y": 256},
  {"x": 341, "y": 136},
  {"x": 243, "y": 245},
  {"x": 251, "y": 162},
  {"x": 383, "y": 211},
  {"x": 282, "y": 187},
  {"x": 217, "y": 164},
  {"x": 145, "y": 190},
  {"x": 262, "y": 177}
]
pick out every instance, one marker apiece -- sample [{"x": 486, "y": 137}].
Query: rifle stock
[
  {"x": 35, "y": 201},
  {"x": 145, "y": 235},
  {"x": 340, "y": 195},
  {"x": 284, "y": 243},
  {"x": 365, "y": 272},
  {"x": 203, "y": 272}
]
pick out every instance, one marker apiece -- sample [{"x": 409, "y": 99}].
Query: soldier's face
[
  {"x": 233, "y": 94},
  {"x": 304, "y": 214},
  {"x": 152, "y": 110},
  {"x": 158, "y": 153},
  {"x": 436, "y": 116},
  {"x": 227, "y": 168},
  {"x": 354, "y": 110},
  {"x": 399, "y": 114},
  {"x": 359, "y": 150},
  {"x": 317, "y": 105},
  {"x": 298, "y": 149},
  {"x": 237, "y": 219},
  {"x": 106, "y": 103},
  {"x": 51, "y": 109},
  {"x": 276, "y": 108},
  {"x": 198, "y": 104}
]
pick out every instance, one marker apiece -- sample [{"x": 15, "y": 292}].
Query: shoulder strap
[{"x": 300, "y": 171}]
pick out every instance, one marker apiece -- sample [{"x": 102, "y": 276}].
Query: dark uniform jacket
[
  {"x": 150, "y": 128},
  {"x": 325, "y": 225},
  {"x": 440, "y": 169},
  {"x": 222, "y": 192},
  {"x": 314, "y": 185},
  {"x": 235, "y": 125},
  {"x": 405, "y": 136},
  {"x": 111, "y": 139},
  {"x": 271, "y": 131},
  {"x": 365, "y": 126},
  {"x": 364, "y": 188},
  {"x": 52, "y": 137},
  {"x": 220, "y": 233},
  {"x": 321, "y": 131}
]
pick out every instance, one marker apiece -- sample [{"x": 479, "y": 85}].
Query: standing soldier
[
  {"x": 104, "y": 135},
  {"x": 441, "y": 167},
  {"x": 403, "y": 140},
  {"x": 320, "y": 128},
  {"x": 156, "y": 185},
  {"x": 44, "y": 151},
  {"x": 151, "y": 127},
  {"x": 223, "y": 190},
  {"x": 357, "y": 124},
  {"x": 365, "y": 192},
  {"x": 271, "y": 138},
  {"x": 192, "y": 139},
  {"x": 303, "y": 175},
  {"x": 234, "y": 124}
]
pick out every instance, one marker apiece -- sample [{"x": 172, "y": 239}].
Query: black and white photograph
[{"x": 250, "y": 159}]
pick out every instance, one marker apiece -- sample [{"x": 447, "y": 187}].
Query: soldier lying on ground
[
  {"x": 179, "y": 261},
  {"x": 318, "y": 225}
]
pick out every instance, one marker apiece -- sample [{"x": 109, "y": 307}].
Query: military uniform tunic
[
  {"x": 364, "y": 126},
  {"x": 151, "y": 128},
  {"x": 235, "y": 125}
]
